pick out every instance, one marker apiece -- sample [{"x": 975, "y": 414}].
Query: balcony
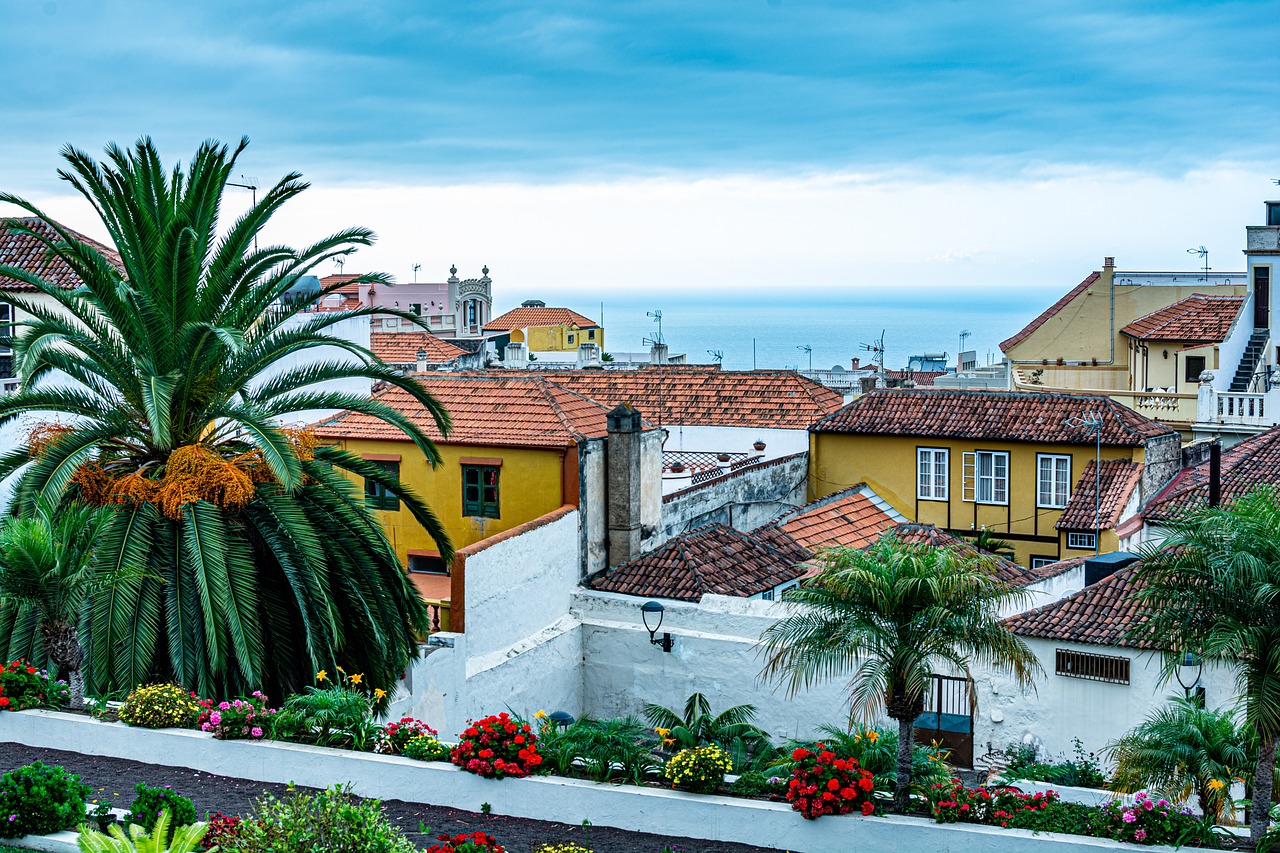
[{"x": 1244, "y": 413}]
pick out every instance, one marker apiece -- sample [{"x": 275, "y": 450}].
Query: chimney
[
  {"x": 516, "y": 357},
  {"x": 658, "y": 354},
  {"x": 856, "y": 360},
  {"x": 1109, "y": 262},
  {"x": 1215, "y": 473},
  {"x": 422, "y": 361},
  {"x": 623, "y": 483},
  {"x": 588, "y": 356}
]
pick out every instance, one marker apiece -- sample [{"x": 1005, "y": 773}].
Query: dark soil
[{"x": 113, "y": 779}]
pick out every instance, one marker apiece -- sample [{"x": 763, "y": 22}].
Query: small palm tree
[
  {"x": 251, "y": 560},
  {"x": 45, "y": 576},
  {"x": 731, "y": 729},
  {"x": 892, "y": 615},
  {"x": 1213, "y": 587},
  {"x": 1184, "y": 749},
  {"x": 186, "y": 839},
  {"x": 987, "y": 541}
]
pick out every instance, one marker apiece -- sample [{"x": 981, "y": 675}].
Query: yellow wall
[
  {"x": 1152, "y": 369},
  {"x": 556, "y": 338},
  {"x": 888, "y": 465},
  {"x": 529, "y": 486}
]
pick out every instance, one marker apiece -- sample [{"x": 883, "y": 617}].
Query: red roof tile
[
  {"x": 402, "y": 347},
  {"x": 711, "y": 559},
  {"x": 1061, "y": 567},
  {"x": 922, "y": 378},
  {"x": 1253, "y": 462},
  {"x": 990, "y": 415},
  {"x": 26, "y": 252},
  {"x": 1049, "y": 312},
  {"x": 778, "y": 399},
  {"x": 1198, "y": 318},
  {"x": 496, "y": 411},
  {"x": 1100, "y": 614},
  {"x": 1118, "y": 480},
  {"x": 524, "y": 318},
  {"x": 853, "y": 517},
  {"x": 351, "y": 290}
]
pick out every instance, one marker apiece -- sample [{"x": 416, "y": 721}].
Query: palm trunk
[
  {"x": 906, "y": 740},
  {"x": 62, "y": 645},
  {"x": 1263, "y": 780},
  {"x": 75, "y": 679}
]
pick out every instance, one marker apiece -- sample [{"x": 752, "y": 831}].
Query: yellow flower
[
  {"x": 661, "y": 732},
  {"x": 379, "y": 694},
  {"x": 873, "y": 735},
  {"x": 540, "y": 715},
  {"x": 1216, "y": 785},
  {"x": 357, "y": 678},
  {"x": 341, "y": 670},
  {"x": 321, "y": 675}
]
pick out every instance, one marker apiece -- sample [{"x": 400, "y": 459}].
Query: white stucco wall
[
  {"x": 1060, "y": 708},
  {"x": 1049, "y": 590},
  {"x": 743, "y": 499}
]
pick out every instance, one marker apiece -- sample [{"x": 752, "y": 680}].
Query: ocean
[{"x": 769, "y": 332}]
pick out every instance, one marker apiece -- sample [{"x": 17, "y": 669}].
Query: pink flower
[
  {"x": 256, "y": 732},
  {"x": 1140, "y": 834},
  {"x": 224, "y": 706},
  {"x": 1148, "y": 805},
  {"x": 215, "y": 718},
  {"x": 1130, "y": 817}
]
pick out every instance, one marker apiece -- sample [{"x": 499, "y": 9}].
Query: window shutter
[{"x": 969, "y": 465}]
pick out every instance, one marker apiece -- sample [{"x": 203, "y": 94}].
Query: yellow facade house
[
  {"x": 1008, "y": 462},
  {"x": 543, "y": 329},
  {"x": 511, "y": 457},
  {"x": 1079, "y": 343}
]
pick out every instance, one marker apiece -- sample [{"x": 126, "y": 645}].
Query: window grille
[{"x": 1109, "y": 668}]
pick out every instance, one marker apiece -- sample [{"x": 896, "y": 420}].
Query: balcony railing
[
  {"x": 1242, "y": 409},
  {"x": 439, "y": 610}
]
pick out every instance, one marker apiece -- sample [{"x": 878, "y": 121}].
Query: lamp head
[{"x": 651, "y": 613}]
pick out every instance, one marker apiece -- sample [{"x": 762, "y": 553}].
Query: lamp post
[
  {"x": 1188, "y": 672},
  {"x": 561, "y": 719},
  {"x": 652, "y": 611}
]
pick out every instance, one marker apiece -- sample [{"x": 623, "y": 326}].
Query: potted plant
[
  {"x": 722, "y": 457},
  {"x": 759, "y": 445},
  {"x": 103, "y": 816},
  {"x": 677, "y": 467}
]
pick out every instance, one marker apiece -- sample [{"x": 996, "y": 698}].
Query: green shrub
[
  {"x": 612, "y": 748},
  {"x": 149, "y": 802},
  {"x": 337, "y": 715},
  {"x": 876, "y": 751},
  {"x": 754, "y": 783},
  {"x": 37, "y": 799},
  {"x": 161, "y": 706},
  {"x": 24, "y": 686},
  {"x": 700, "y": 769},
  {"x": 162, "y": 839},
  {"x": 426, "y": 748},
  {"x": 303, "y": 822},
  {"x": 1081, "y": 771},
  {"x": 1057, "y": 816}
]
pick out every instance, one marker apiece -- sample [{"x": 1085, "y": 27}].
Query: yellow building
[
  {"x": 543, "y": 329},
  {"x": 511, "y": 457},
  {"x": 1005, "y": 461},
  {"x": 1079, "y": 343},
  {"x": 1169, "y": 349}
]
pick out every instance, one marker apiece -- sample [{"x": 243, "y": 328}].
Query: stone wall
[{"x": 743, "y": 499}]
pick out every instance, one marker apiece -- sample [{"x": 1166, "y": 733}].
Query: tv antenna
[
  {"x": 416, "y": 267},
  {"x": 809, "y": 349},
  {"x": 250, "y": 184},
  {"x": 1204, "y": 255},
  {"x": 340, "y": 262},
  {"x": 876, "y": 348},
  {"x": 657, "y": 318},
  {"x": 717, "y": 354}
]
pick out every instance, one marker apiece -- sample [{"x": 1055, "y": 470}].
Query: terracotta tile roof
[
  {"x": 27, "y": 253},
  {"x": 1098, "y": 615},
  {"x": 524, "y": 318},
  {"x": 711, "y": 559},
  {"x": 926, "y": 534},
  {"x": 1118, "y": 480},
  {"x": 853, "y": 517},
  {"x": 1049, "y": 312},
  {"x": 1061, "y": 567},
  {"x": 990, "y": 415},
  {"x": 402, "y": 347},
  {"x": 1253, "y": 462},
  {"x": 779, "y": 399},
  {"x": 922, "y": 378},
  {"x": 496, "y": 411},
  {"x": 341, "y": 278},
  {"x": 1199, "y": 318}
]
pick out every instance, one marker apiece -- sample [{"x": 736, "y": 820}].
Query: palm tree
[
  {"x": 1184, "y": 749},
  {"x": 1213, "y": 587},
  {"x": 245, "y": 553},
  {"x": 892, "y": 615},
  {"x": 731, "y": 729},
  {"x": 986, "y": 541},
  {"x": 45, "y": 576}
]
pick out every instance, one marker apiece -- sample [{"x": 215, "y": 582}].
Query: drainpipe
[{"x": 1109, "y": 267}]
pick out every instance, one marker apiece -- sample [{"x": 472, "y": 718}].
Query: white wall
[
  {"x": 743, "y": 499},
  {"x": 1060, "y": 708},
  {"x": 1049, "y": 590}
]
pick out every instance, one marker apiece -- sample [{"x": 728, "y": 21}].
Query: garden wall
[
  {"x": 743, "y": 499},
  {"x": 568, "y": 801}
]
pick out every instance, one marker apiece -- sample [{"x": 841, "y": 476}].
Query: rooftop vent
[
  {"x": 533, "y": 303},
  {"x": 1105, "y": 565}
]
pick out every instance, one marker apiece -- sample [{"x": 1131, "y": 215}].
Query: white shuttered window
[{"x": 931, "y": 473}]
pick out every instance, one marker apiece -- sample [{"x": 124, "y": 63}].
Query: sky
[{"x": 724, "y": 148}]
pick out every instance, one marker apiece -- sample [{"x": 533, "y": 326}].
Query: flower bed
[{"x": 568, "y": 801}]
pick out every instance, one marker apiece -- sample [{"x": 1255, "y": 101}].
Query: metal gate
[{"x": 948, "y": 718}]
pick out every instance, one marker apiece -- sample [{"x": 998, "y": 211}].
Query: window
[
  {"x": 591, "y": 334},
  {"x": 6, "y": 315},
  {"x": 1084, "y": 541},
  {"x": 1053, "y": 480},
  {"x": 480, "y": 491},
  {"x": 1195, "y": 366},
  {"x": 416, "y": 308},
  {"x": 767, "y": 595},
  {"x": 571, "y": 337},
  {"x": 931, "y": 473},
  {"x": 471, "y": 312},
  {"x": 430, "y": 564},
  {"x": 378, "y": 496},
  {"x": 1093, "y": 667},
  {"x": 1041, "y": 562},
  {"x": 986, "y": 477}
]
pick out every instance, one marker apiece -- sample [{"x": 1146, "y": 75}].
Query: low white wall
[
  {"x": 569, "y": 801},
  {"x": 1049, "y": 590},
  {"x": 1061, "y": 708},
  {"x": 743, "y": 499}
]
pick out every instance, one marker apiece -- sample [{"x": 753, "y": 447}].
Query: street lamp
[
  {"x": 1188, "y": 672},
  {"x": 652, "y": 611},
  {"x": 561, "y": 719}
]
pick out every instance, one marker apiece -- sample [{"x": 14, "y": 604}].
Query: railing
[
  {"x": 439, "y": 610},
  {"x": 1242, "y": 409}
]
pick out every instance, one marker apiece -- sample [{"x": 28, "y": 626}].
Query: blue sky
[{"x": 412, "y": 98}]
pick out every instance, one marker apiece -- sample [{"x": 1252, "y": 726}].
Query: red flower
[
  {"x": 868, "y": 808},
  {"x": 800, "y": 754}
]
